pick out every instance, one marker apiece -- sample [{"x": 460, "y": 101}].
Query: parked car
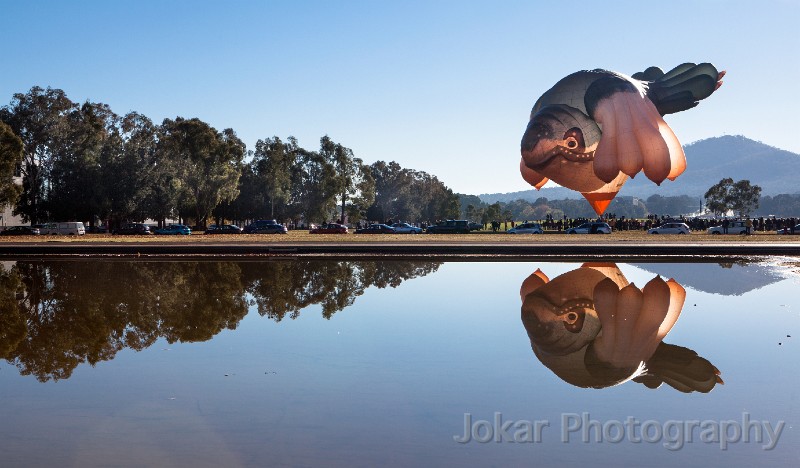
[
  {"x": 526, "y": 228},
  {"x": 223, "y": 229},
  {"x": 174, "y": 230},
  {"x": 20, "y": 231},
  {"x": 46, "y": 228},
  {"x": 265, "y": 226},
  {"x": 329, "y": 228},
  {"x": 789, "y": 230},
  {"x": 670, "y": 228},
  {"x": 595, "y": 227},
  {"x": 405, "y": 228},
  {"x": 473, "y": 226},
  {"x": 734, "y": 227},
  {"x": 451, "y": 226},
  {"x": 133, "y": 229},
  {"x": 96, "y": 229},
  {"x": 376, "y": 229}
]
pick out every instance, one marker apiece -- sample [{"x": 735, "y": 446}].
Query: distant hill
[{"x": 775, "y": 170}]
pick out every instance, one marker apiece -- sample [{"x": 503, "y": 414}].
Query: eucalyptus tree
[
  {"x": 249, "y": 204},
  {"x": 740, "y": 197},
  {"x": 744, "y": 197},
  {"x": 393, "y": 195},
  {"x": 208, "y": 163},
  {"x": 353, "y": 181},
  {"x": 130, "y": 169},
  {"x": 313, "y": 187},
  {"x": 411, "y": 195},
  {"x": 272, "y": 165},
  {"x": 89, "y": 134},
  {"x": 717, "y": 197},
  {"x": 11, "y": 153},
  {"x": 362, "y": 193},
  {"x": 37, "y": 118}
]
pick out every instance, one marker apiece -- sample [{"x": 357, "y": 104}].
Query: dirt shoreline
[{"x": 617, "y": 246}]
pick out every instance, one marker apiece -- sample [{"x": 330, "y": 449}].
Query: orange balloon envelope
[{"x": 594, "y": 129}]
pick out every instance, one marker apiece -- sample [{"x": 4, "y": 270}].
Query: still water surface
[{"x": 313, "y": 363}]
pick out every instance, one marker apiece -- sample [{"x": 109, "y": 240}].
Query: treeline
[
  {"x": 57, "y": 315},
  {"x": 84, "y": 162},
  {"x": 474, "y": 209}
]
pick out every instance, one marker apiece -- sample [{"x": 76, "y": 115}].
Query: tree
[
  {"x": 249, "y": 204},
  {"x": 741, "y": 197},
  {"x": 11, "y": 153},
  {"x": 76, "y": 188},
  {"x": 37, "y": 118},
  {"x": 314, "y": 187},
  {"x": 272, "y": 165},
  {"x": 493, "y": 212},
  {"x": 392, "y": 191},
  {"x": 210, "y": 163},
  {"x": 353, "y": 181},
  {"x": 744, "y": 197},
  {"x": 363, "y": 194},
  {"x": 130, "y": 170},
  {"x": 718, "y": 197}
]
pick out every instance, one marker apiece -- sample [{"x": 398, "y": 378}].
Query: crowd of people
[{"x": 759, "y": 224}]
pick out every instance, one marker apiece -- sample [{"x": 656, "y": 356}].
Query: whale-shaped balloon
[{"x": 595, "y": 128}]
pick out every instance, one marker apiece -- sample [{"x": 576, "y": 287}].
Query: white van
[{"x": 71, "y": 228}]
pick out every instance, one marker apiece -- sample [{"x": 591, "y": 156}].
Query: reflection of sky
[{"x": 388, "y": 380}]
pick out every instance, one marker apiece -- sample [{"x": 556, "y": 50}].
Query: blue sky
[{"x": 440, "y": 86}]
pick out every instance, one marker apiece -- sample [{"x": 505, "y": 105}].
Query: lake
[{"x": 399, "y": 363}]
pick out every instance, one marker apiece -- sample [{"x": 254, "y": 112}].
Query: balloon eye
[
  {"x": 572, "y": 317},
  {"x": 572, "y": 143}
]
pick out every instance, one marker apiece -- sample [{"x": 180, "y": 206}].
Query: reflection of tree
[
  {"x": 285, "y": 287},
  {"x": 57, "y": 315},
  {"x": 12, "y": 318},
  {"x": 85, "y": 312}
]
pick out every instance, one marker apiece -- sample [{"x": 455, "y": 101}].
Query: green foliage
[
  {"x": 406, "y": 194},
  {"x": 779, "y": 205},
  {"x": 11, "y": 152},
  {"x": 38, "y": 118},
  {"x": 208, "y": 163},
  {"x": 740, "y": 197},
  {"x": 84, "y": 162},
  {"x": 272, "y": 167},
  {"x": 744, "y": 197},
  {"x": 717, "y": 197},
  {"x": 352, "y": 182},
  {"x": 314, "y": 187}
]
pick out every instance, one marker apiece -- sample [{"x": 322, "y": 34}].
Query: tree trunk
[{"x": 344, "y": 198}]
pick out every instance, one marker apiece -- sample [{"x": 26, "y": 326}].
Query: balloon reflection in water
[{"x": 594, "y": 329}]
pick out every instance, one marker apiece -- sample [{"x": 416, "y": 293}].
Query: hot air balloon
[
  {"x": 595, "y": 128},
  {"x": 593, "y": 329}
]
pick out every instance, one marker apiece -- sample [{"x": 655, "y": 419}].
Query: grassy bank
[{"x": 479, "y": 237}]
